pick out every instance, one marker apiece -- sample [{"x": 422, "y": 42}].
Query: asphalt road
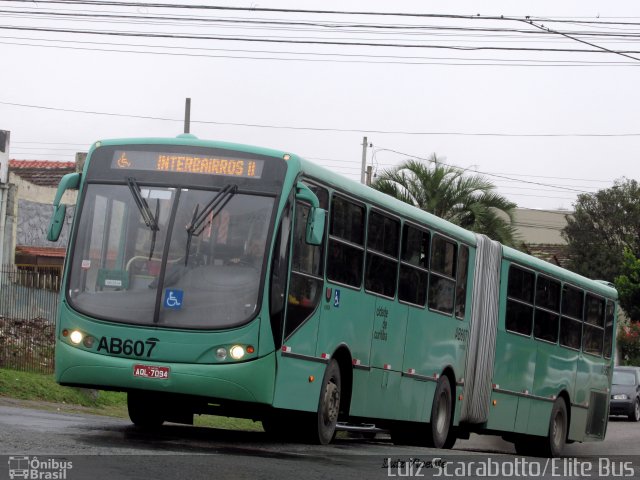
[{"x": 110, "y": 448}]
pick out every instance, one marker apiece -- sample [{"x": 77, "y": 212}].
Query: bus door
[
  {"x": 516, "y": 352},
  {"x": 592, "y": 380},
  {"x": 304, "y": 300}
]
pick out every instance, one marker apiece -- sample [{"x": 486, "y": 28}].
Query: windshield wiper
[
  {"x": 149, "y": 218},
  {"x": 211, "y": 210}
]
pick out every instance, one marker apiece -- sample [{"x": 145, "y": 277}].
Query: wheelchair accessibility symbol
[{"x": 173, "y": 299}]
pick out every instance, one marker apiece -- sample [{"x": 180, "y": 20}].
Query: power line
[
  {"x": 352, "y": 58},
  {"x": 327, "y": 129},
  {"x": 305, "y": 42}
]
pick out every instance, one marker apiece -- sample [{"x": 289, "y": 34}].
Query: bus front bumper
[{"x": 251, "y": 381}]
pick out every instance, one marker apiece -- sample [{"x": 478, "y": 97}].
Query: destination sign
[{"x": 187, "y": 163}]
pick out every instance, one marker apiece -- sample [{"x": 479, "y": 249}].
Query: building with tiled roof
[
  {"x": 41, "y": 173},
  {"x": 33, "y": 185}
]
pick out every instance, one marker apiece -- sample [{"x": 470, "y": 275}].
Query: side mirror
[
  {"x": 69, "y": 181},
  {"x": 317, "y": 215},
  {"x": 57, "y": 221},
  {"x": 315, "y": 226}
]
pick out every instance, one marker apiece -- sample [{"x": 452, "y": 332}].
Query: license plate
[{"x": 148, "y": 371}]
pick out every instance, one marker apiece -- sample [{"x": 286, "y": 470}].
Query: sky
[{"x": 499, "y": 88}]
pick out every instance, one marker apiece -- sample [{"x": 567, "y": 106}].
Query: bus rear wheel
[
  {"x": 441, "y": 435},
  {"x": 552, "y": 445},
  {"x": 144, "y": 410}
]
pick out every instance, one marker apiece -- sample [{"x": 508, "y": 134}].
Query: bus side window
[
  {"x": 461, "y": 281},
  {"x": 571, "y": 322},
  {"x": 519, "y": 317},
  {"x": 305, "y": 284},
  {"x": 442, "y": 281},
  {"x": 412, "y": 285},
  {"x": 346, "y": 242},
  {"x": 547, "y": 316},
  {"x": 279, "y": 269},
  {"x": 608, "y": 329},
  {"x": 382, "y": 255},
  {"x": 593, "y": 336}
]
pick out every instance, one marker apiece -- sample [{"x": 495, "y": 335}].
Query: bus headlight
[
  {"x": 76, "y": 337},
  {"x": 236, "y": 352},
  {"x": 221, "y": 353}
]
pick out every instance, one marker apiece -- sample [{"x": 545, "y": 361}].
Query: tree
[
  {"x": 466, "y": 200},
  {"x": 603, "y": 225},
  {"x": 628, "y": 285}
]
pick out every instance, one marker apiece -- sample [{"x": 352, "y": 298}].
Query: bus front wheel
[
  {"x": 328, "y": 405},
  {"x": 144, "y": 410}
]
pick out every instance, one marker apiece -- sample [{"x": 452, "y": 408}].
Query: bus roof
[{"x": 191, "y": 140}]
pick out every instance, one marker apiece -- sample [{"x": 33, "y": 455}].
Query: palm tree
[{"x": 466, "y": 200}]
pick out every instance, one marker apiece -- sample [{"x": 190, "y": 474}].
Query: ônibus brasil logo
[{"x": 36, "y": 469}]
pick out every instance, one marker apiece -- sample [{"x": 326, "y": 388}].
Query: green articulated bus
[{"x": 208, "y": 277}]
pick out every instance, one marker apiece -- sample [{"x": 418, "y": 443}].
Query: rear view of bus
[{"x": 165, "y": 276}]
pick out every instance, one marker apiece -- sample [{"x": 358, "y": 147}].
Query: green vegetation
[
  {"x": 603, "y": 225},
  {"x": 453, "y": 194},
  {"x": 43, "y": 388}
]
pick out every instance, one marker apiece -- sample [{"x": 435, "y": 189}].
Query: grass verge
[{"x": 38, "y": 388}]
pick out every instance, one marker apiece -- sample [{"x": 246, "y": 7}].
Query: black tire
[
  {"x": 440, "y": 422},
  {"x": 328, "y": 406},
  {"x": 634, "y": 415},
  {"x": 144, "y": 410},
  {"x": 558, "y": 429}
]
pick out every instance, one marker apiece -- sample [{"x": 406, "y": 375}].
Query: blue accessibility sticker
[
  {"x": 173, "y": 299},
  {"x": 336, "y": 298}
]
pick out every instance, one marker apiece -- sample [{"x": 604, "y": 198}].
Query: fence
[{"x": 28, "y": 305}]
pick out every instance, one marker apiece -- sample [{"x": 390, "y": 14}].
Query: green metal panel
[
  {"x": 187, "y": 354},
  {"x": 389, "y": 334},
  {"x": 348, "y": 322},
  {"x": 294, "y": 388},
  {"x": 502, "y": 415},
  {"x": 243, "y": 381}
]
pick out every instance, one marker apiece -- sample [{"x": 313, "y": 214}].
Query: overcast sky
[{"x": 564, "y": 121}]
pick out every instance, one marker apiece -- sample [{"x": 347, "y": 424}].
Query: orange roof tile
[
  {"x": 41, "y": 172},
  {"x": 41, "y": 251}
]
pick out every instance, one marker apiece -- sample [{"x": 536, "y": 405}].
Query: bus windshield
[{"x": 171, "y": 257}]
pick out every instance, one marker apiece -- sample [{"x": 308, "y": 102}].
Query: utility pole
[
  {"x": 363, "y": 170},
  {"x": 187, "y": 115},
  {"x": 369, "y": 172},
  {"x": 4, "y": 188}
]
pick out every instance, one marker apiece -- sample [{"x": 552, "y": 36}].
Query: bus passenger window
[
  {"x": 461, "y": 281},
  {"x": 593, "y": 336},
  {"x": 442, "y": 281},
  {"x": 412, "y": 285},
  {"x": 346, "y": 243},
  {"x": 547, "y": 316},
  {"x": 382, "y": 255},
  {"x": 571, "y": 322},
  {"x": 519, "y": 316}
]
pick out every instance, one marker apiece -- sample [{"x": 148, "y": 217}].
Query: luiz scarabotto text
[{"x": 512, "y": 467}]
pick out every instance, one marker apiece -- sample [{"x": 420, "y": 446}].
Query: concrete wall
[
  {"x": 33, "y": 222},
  {"x": 541, "y": 226},
  {"x": 36, "y": 193}
]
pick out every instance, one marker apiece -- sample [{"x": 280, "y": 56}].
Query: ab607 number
[{"x": 117, "y": 346}]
